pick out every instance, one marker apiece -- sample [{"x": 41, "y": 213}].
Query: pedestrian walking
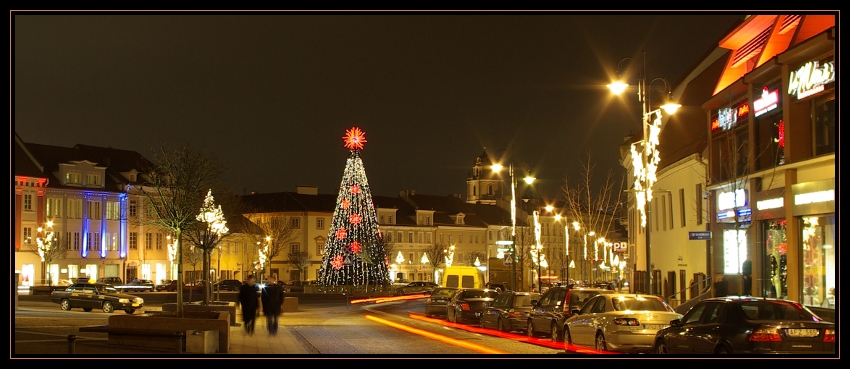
[
  {"x": 249, "y": 298},
  {"x": 272, "y": 302}
]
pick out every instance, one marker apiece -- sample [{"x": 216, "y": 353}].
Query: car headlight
[
  {"x": 124, "y": 301},
  {"x": 139, "y": 300}
]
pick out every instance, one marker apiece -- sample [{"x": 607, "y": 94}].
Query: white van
[{"x": 462, "y": 277}]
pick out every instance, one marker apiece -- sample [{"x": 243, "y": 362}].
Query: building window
[
  {"x": 67, "y": 240},
  {"x": 76, "y": 240},
  {"x": 159, "y": 241},
  {"x": 698, "y": 207},
  {"x": 399, "y": 237},
  {"x": 94, "y": 210},
  {"x": 73, "y": 178},
  {"x": 410, "y": 237},
  {"x": 54, "y": 207},
  {"x": 410, "y": 257},
  {"x": 820, "y": 266},
  {"x": 92, "y": 179},
  {"x": 28, "y": 201},
  {"x": 320, "y": 223},
  {"x": 470, "y": 238},
  {"x": 88, "y": 242},
  {"x": 428, "y": 220},
  {"x": 489, "y": 189},
  {"x": 27, "y": 235},
  {"x": 460, "y": 238},
  {"x": 294, "y": 248},
  {"x": 682, "y": 206},
  {"x": 295, "y": 223},
  {"x": 824, "y": 115},
  {"x": 320, "y": 247},
  {"x": 450, "y": 238},
  {"x": 133, "y": 207},
  {"x": 428, "y": 237},
  {"x": 148, "y": 241},
  {"x": 113, "y": 210},
  {"x": 441, "y": 237},
  {"x": 664, "y": 211},
  {"x": 670, "y": 209},
  {"x": 390, "y": 219},
  {"x": 382, "y": 220},
  {"x": 389, "y": 237},
  {"x": 476, "y": 238},
  {"x": 489, "y": 235},
  {"x": 96, "y": 241},
  {"x": 134, "y": 240},
  {"x": 419, "y": 237}
]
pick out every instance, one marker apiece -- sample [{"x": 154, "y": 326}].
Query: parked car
[
  {"x": 228, "y": 285},
  {"x": 90, "y": 296},
  {"x": 297, "y": 286},
  {"x": 747, "y": 325},
  {"x": 113, "y": 281},
  {"x": 619, "y": 322},
  {"x": 498, "y": 287},
  {"x": 509, "y": 311},
  {"x": 467, "y": 305},
  {"x": 416, "y": 287},
  {"x": 163, "y": 285},
  {"x": 440, "y": 297},
  {"x": 548, "y": 314},
  {"x": 172, "y": 287},
  {"x": 139, "y": 285}
]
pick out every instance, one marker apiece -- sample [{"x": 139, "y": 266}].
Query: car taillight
[
  {"x": 513, "y": 314},
  {"x": 765, "y": 335},
  {"x": 626, "y": 321},
  {"x": 829, "y": 335},
  {"x": 464, "y": 306}
]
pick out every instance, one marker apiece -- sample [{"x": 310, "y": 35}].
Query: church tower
[{"x": 483, "y": 186}]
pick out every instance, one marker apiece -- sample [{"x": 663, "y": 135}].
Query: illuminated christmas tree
[{"x": 354, "y": 253}]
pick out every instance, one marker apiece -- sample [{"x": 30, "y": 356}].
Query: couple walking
[{"x": 268, "y": 298}]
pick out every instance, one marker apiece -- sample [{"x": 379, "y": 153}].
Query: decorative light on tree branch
[
  {"x": 645, "y": 176},
  {"x": 354, "y": 253},
  {"x": 400, "y": 258},
  {"x": 45, "y": 242},
  {"x": 450, "y": 255}
]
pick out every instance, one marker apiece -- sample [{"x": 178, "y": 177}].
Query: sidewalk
[{"x": 261, "y": 343}]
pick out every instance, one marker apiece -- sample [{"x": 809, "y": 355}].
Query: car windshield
[
  {"x": 776, "y": 310},
  {"x": 638, "y": 303},
  {"x": 106, "y": 289},
  {"x": 443, "y": 292},
  {"x": 522, "y": 300},
  {"x": 578, "y": 298},
  {"x": 479, "y": 294}
]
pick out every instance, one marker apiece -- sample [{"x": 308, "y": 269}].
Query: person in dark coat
[
  {"x": 721, "y": 286},
  {"x": 747, "y": 276},
  {"x": 249, "y": 298},
  {"x": 272, "y": 302}
]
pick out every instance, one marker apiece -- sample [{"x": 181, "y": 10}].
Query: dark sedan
[
  {"x": 440, "y": 297},
  {"x": 509, "y": 311},
  {"x": 467, "y": 305},
  {"x": 90, "y": 296},
  {"x": 747, "y": 325}
]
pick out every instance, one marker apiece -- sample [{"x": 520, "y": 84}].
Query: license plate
[
  {"x": 802, "y": 332},
  {"x": 654, "y": 327},
  {"x": 134, "y": 304}
]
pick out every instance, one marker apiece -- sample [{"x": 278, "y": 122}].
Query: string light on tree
[{"x": 354, "y": 253}]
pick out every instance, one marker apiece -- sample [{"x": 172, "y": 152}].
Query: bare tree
[
  {"x": 205, "y": 235},
  {"x": 175, "y": 187},
  {"x": 300, "y": 260},
  {"x": 594, "y": 207},
  {"x": 472, "y": 256},
  {"x": 49, "y": 248},
  {"x": 435, "y": 254},
  {"x": 277, "y": 234}
]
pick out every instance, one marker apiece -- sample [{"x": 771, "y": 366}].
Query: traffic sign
[
  {"x": 509, "y": 259},
  {"x": 621, "y": 246},
  {"x": 701, "y": 235}
]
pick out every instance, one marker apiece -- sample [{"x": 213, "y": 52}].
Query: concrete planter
[
  {"x": 215, "y": 306},
  {"x": 191, "y": 322}
]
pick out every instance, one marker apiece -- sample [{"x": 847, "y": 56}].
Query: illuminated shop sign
[
  {"x": 770, "y": 204},
  {"x": 727, "y": 117},
  {"x": 742, "y": 213},
  {"x": 732, "y": 200},
  {"x": 813, "y": 197},
  {"x": 769, "y": 100},
  {"x": 810, "y": 78}
]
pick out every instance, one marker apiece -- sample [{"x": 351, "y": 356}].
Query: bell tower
[{"x": 483, "y": 186}]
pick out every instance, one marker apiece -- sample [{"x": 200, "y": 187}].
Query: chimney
[{"x": 307, "y": 190}]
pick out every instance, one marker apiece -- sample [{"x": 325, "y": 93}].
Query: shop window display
[
  {"x": 776, "y": 260},
  {"x": 819, "y": 261}
]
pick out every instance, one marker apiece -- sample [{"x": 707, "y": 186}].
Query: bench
[{"x": 129, "y": 336}]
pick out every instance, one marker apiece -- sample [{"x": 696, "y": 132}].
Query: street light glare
[
  {"x": 549, "y": 209},
  {"x": 617, "y": 87},
  {"x": 557, "y": 217},
  {"x": 671, "y": 107},
  {"x": 497, "y": 167},
  {"x": 529, "y": 179}
]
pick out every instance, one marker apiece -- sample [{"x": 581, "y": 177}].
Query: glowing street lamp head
[
  {"x": 529, "y": 179},
  {"x": 549, "y": 208},
  {"x": 576, "y": 226},
  {"x": 557, "y": 217},
  {"x": 671, "y": 107},
  {"x": 618, "y": 87},
  {"x": 591, "y": 233},
  {"x": 496, "y": 167}
]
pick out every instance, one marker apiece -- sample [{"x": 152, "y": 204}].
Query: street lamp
[
  {"x": 646, "y": 162},
  {"x": 529, "y": 180}
]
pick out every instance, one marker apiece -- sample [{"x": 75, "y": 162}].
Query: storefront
[
  {"x": 733, "y": 225},
  {"x": 814, "y": 210},
  {"x": 770, "y": 277}
]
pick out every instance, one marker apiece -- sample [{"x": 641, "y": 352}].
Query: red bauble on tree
[
  {"x": 355, "y": 189},
  {"x": 336, "y": 263},
  {"x": 345, "y": 203},
  {"x": 341, "y": 233},
  {"x": 355, "y": 219},
  {"x": 355, "y": 247}
]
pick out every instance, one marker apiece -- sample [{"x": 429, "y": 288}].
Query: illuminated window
[
  {"x": 134, "y": 240},
  {"x": 28, "y": 201},
  {"x": 94, "y": 210},
  {"x": 113, "y": 210},
  {"x": 27, "y": 235}
]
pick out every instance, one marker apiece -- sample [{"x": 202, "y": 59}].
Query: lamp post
[
  {"x": 528, "y": 180},
  {"x": 646, "y": 162}
]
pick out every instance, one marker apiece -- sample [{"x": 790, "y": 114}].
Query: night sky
[{"x": 272, "y": 94}]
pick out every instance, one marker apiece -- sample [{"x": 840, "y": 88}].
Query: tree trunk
[
  {"x": 180, "y": 273},
  {"x": 206, "y": 270},
  {"x": 270, "y": 265}
]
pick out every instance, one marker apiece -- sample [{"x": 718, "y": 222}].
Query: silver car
[
  {"x": 619, "y": 322},
  {"x": 416, "y": 288}
]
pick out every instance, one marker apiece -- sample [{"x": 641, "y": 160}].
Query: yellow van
[{"x": 462, "y": 277}]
